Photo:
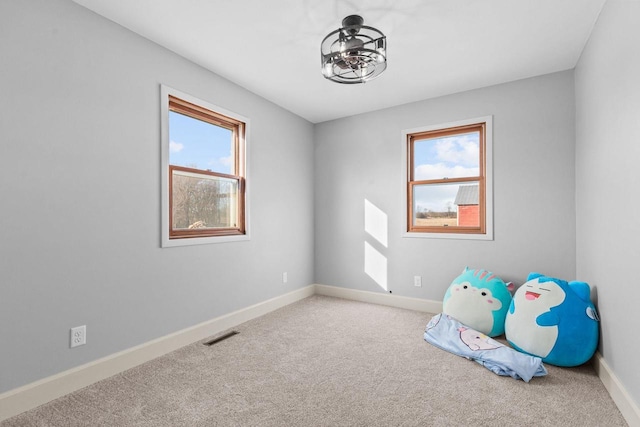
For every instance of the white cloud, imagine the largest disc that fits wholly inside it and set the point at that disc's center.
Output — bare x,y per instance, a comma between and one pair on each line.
438,198
175,147
459,149
221,164
440,170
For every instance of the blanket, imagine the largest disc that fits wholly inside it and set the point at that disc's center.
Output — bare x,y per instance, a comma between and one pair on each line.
446,333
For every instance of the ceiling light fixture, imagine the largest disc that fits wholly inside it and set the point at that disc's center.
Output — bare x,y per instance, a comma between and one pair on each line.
354,53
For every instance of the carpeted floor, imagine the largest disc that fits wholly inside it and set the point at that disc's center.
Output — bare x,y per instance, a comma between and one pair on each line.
328,362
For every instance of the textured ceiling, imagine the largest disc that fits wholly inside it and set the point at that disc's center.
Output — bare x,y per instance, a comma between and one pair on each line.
435,47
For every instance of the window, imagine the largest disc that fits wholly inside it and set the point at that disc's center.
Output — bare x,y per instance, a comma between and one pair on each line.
448,180
204,172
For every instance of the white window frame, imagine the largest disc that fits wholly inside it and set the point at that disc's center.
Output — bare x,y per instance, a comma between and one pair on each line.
165,92
488,235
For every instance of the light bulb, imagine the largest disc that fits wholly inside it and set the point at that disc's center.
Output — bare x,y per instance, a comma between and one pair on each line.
328,69
363,70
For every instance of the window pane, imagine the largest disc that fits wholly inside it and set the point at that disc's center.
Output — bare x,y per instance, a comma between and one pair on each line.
200,145
454,156
203,201
446,205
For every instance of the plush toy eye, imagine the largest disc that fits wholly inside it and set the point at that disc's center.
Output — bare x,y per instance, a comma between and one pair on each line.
465,287
484,294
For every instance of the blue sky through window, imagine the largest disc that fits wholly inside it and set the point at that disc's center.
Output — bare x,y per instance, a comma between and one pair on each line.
445,157
200,145
450,156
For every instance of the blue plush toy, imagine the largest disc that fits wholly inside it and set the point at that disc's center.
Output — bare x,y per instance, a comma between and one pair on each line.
478,299
554,320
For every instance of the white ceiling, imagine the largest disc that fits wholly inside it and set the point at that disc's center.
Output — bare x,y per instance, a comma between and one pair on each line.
435,47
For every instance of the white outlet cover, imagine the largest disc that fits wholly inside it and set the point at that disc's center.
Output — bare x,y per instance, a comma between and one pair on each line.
78,336
417,281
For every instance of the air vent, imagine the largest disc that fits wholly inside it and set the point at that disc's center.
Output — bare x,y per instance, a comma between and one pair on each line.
221,338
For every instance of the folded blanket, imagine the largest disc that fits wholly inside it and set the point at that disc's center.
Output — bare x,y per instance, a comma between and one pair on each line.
446,333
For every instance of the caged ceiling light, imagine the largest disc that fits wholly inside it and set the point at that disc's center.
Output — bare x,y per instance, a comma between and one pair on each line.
354,53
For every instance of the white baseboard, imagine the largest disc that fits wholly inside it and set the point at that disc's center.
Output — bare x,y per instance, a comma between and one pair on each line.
417,304
40,392
617,391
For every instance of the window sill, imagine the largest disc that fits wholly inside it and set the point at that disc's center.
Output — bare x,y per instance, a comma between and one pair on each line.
169,243
455,236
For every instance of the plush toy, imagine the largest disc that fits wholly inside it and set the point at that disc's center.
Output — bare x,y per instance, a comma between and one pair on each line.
478,299
554,320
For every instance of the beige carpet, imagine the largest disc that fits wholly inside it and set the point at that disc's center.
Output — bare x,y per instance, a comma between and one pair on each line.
328,362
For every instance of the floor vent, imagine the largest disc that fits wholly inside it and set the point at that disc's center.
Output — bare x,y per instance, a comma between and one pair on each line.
221,338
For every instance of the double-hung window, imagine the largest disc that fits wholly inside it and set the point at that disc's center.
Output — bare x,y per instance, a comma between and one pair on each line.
448,180
204,172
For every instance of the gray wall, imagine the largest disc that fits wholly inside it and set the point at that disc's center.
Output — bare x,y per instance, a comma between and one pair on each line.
80,194
360,158
608,206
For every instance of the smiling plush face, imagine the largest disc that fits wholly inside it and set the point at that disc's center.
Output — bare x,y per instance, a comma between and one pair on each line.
530,301
475,340
478,299
472,306
538,296
554,320
482,296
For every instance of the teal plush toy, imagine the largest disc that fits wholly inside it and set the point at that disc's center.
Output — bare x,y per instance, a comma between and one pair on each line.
554,320
478,299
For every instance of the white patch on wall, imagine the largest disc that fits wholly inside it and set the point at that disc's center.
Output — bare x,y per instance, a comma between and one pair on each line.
375,222
375,265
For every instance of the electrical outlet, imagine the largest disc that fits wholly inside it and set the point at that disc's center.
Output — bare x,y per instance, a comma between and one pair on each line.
284,277
78,336
417,281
